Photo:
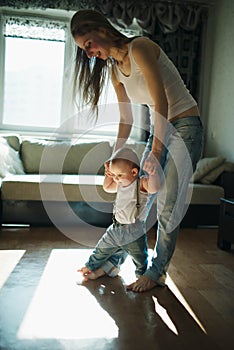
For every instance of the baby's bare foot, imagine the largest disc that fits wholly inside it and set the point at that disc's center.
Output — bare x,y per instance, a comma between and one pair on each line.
93,275
84,270
143,284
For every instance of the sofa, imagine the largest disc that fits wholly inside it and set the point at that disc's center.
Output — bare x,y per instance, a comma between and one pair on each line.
59,182
51,181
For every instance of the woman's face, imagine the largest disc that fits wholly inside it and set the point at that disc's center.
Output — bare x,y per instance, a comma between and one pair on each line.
94,43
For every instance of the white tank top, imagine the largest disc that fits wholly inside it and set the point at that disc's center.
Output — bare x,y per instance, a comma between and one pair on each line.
178,96
125,209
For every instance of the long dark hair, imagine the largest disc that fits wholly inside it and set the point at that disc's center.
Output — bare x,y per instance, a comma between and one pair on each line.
90,73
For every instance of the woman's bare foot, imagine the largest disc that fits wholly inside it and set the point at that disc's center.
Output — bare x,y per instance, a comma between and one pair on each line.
143,284
92,275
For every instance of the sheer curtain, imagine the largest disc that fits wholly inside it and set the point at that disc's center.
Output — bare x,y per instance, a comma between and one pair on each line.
34,28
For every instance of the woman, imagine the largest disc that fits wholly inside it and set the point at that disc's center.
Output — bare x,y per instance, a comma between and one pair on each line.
142,73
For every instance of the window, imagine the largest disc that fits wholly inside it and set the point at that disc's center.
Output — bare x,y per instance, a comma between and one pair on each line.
33,73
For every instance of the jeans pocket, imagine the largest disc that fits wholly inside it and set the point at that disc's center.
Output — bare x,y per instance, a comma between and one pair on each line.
190,132
194,144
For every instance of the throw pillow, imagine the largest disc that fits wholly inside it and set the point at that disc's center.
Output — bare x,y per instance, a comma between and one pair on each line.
13,140
214,174
205,165
10,162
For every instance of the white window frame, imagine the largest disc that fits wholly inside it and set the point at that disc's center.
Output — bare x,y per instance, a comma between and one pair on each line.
66,106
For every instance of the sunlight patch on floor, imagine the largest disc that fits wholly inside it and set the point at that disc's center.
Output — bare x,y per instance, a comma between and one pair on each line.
127,272
162,313
8,261
171,285
61,309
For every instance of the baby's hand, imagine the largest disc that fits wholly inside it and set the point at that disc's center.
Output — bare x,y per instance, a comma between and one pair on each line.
107,165
107,169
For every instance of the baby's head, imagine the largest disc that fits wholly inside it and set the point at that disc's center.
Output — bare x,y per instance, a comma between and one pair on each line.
124,165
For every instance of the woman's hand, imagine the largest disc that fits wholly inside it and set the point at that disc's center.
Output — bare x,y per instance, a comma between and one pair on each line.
151,164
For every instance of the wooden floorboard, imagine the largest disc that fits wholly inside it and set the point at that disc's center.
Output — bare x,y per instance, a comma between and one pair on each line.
43,307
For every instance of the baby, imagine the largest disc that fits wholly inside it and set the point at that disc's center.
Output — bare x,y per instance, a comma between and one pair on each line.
128,230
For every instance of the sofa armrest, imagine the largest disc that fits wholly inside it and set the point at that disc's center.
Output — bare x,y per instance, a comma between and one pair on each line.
226,180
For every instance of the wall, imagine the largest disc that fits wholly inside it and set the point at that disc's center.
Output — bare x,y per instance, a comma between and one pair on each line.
219,122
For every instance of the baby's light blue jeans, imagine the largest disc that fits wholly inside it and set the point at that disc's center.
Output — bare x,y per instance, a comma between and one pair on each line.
121,239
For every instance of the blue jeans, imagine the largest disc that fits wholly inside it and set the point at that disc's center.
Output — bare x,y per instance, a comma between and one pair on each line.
121,239
181,152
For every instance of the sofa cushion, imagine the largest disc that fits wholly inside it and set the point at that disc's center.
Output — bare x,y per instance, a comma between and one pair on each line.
59,157
206,194
86,188
50,187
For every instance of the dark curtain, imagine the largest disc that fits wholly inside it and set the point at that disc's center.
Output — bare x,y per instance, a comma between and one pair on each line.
176,26
167,13
184,49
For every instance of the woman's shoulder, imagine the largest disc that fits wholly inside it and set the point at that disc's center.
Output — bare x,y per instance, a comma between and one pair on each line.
144,45
143,41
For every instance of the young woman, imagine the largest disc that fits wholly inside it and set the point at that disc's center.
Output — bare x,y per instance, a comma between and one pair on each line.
142,73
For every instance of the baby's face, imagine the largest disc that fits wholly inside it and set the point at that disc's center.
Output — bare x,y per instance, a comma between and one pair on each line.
123,173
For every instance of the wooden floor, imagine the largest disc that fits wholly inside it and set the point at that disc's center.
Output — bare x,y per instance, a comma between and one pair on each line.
44,305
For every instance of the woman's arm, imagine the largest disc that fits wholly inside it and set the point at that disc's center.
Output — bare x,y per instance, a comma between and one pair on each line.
126,118
146,53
